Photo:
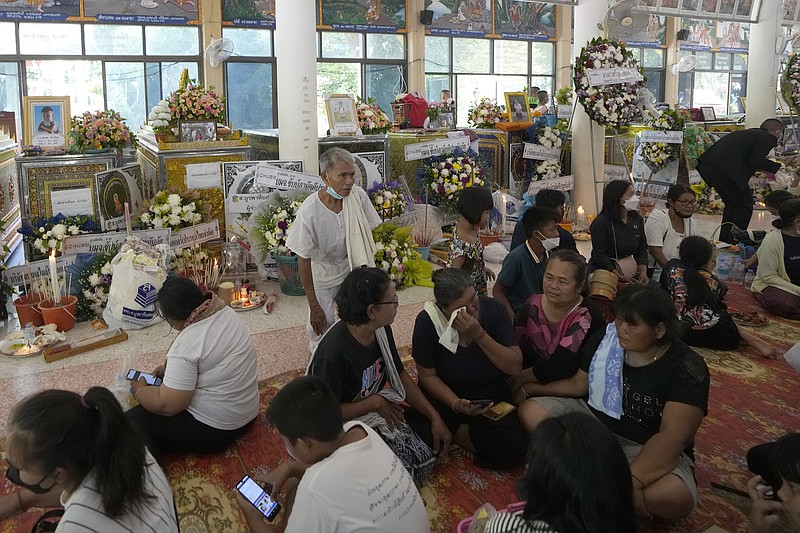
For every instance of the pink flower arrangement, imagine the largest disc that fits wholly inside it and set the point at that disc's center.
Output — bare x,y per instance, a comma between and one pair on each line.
101,129
197,103
371,118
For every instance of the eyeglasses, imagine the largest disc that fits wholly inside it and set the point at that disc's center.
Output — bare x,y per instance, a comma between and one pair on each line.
394,302
686,202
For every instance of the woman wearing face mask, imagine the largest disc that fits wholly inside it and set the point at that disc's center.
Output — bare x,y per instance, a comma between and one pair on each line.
777,280
524,266
619,243
466,250
665,230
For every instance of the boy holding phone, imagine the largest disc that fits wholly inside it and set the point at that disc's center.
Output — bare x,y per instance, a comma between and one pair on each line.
340,478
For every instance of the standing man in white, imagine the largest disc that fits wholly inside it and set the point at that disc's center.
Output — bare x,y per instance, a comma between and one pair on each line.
331,235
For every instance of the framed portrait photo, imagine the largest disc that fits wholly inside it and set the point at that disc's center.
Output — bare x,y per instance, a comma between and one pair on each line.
342,118
517,107
708,113
197,130
46,121
115,188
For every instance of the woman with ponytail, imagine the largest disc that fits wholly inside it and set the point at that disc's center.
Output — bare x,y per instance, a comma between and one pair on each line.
82,452
699,300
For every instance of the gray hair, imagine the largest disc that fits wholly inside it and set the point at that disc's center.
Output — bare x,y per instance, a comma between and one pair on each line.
331,156
449,285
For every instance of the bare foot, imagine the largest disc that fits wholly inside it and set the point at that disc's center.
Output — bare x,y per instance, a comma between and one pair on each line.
762,347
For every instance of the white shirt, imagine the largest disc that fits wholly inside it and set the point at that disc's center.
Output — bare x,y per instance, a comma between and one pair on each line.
659,232
83,509
217,360
360,488
318,234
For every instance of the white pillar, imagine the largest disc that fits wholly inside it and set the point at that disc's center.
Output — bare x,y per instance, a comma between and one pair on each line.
564,55
587,15
416,50
672,53
762,69
295,49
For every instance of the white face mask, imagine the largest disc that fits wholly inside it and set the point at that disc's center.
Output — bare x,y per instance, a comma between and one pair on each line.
632,203
550,244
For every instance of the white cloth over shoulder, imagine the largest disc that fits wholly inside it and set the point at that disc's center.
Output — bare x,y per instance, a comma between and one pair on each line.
360,244
448,335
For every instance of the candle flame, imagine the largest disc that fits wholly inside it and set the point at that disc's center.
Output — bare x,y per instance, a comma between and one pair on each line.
580,209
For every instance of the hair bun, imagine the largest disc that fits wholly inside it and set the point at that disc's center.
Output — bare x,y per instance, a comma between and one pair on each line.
779,223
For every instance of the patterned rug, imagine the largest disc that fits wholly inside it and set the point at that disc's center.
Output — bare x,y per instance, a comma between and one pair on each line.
752,400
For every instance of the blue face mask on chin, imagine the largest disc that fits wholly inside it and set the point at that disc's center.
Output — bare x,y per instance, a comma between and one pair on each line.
334,194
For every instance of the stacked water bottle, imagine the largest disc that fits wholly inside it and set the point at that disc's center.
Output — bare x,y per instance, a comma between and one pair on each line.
731,268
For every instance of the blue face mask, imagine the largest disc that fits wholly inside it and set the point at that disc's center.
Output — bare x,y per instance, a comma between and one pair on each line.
334,194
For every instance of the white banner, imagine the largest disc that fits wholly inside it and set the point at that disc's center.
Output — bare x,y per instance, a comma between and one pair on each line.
417,151
102,242
279,178
615,172
203,176
669,137
612,76
245,203
195,235
16,276
537,151
564,111
564,183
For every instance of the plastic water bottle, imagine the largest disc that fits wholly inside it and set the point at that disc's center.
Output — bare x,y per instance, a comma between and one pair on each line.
723,267
738,273
29,334
749,276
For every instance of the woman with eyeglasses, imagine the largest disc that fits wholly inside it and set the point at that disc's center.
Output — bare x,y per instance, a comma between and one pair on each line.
209,396
666,229
82,453
357,358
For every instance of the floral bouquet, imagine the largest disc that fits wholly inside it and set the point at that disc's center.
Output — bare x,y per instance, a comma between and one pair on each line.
708,201
696,140
195,102
160,117
182,260
790,82
389,199
371,119
101,129
443,176
565,95
549,137
174,209
545,170
669,120
396,254
615,105
271,221
657,155
47,234
484,114
93,283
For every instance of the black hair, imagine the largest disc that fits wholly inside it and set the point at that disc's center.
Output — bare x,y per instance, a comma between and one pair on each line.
361,288
677,190
306,407
47,108
611,197
638,303
788,213
772,125
776,198
696,252
787,457
550,198
178,297
578,479
53,428
535,218
472,202
577,261
449,285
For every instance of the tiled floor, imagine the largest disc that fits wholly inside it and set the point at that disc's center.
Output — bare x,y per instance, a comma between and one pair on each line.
279,338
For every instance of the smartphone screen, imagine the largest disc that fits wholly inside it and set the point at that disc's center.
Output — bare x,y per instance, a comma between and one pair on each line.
253,493
134,375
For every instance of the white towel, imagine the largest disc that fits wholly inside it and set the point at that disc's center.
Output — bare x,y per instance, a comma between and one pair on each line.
358,235
448,335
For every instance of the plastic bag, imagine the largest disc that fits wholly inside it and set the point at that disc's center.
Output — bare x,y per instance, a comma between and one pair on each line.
495,253
479,518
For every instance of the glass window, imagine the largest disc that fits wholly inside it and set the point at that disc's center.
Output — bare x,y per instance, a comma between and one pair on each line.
9,91
8,46
437,54
722,61
652,58
172,41
434,84
342,45
50,39
250,95
385,46
163,78
542,58
510,57
685,86
115,40
125,92
335,78
383,82
711,89
738,91
250,42
739,61
655,82
471,55
703,60
82,80
544,83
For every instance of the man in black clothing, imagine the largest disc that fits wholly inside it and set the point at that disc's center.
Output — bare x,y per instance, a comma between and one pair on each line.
729,164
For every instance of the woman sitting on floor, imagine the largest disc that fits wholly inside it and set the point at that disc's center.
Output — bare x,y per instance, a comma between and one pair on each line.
577,480
783,464
83,453
209,396
553,327
465,349
777,280
357,357
654,407
699,298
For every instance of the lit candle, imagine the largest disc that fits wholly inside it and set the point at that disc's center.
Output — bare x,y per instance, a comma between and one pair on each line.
505,208
54,279
128,226
215,273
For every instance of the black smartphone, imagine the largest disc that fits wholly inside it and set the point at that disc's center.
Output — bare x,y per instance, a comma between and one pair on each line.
486,401
262,501
134,375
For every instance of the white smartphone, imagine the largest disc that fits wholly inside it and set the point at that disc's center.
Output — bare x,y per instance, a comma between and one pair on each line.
257,496
134,375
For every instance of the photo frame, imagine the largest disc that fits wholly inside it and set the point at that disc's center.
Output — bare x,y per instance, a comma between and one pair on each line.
46,121
197,130
708,113
446,120
115,187
517,107
342,117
